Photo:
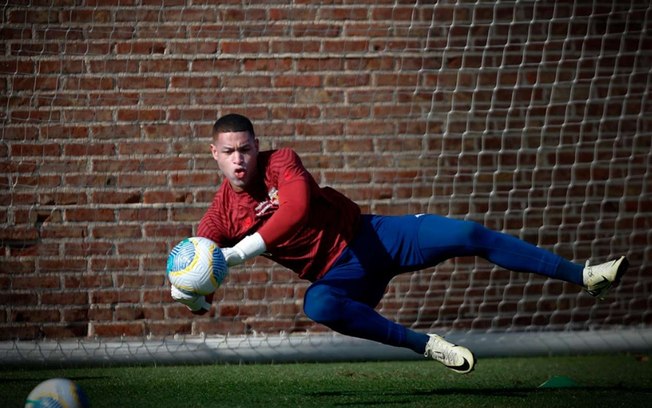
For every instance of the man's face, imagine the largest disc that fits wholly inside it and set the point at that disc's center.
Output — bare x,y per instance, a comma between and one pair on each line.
236,153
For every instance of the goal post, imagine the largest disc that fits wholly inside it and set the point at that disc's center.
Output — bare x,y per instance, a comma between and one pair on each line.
305,348
530,117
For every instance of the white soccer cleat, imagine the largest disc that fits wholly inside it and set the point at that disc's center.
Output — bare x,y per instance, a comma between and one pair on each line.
457,358
598,279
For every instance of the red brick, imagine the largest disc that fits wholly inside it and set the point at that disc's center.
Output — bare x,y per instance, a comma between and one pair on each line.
167,197
126,197
111,264
19,133
28,83
61,265
85,149
215,65
192,82
219,326
87,281
194,179
117,231
143,214
140,281
20,331
296,46
296,113
16,266
64,298
34,315
35,282
135,82
348,46
343,14
198,15
142,247
155,132
171,328
158,231
187,214
62,198
35,149
90,215
86,249
18,298
298,81
140,47
112,165
19,234
243,47
60,67
114,296
129,313
75,314
115,131
87,115
189,114
133,329
147,115
159,295
89,84
267,64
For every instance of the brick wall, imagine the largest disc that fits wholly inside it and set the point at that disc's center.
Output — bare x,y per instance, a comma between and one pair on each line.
533,119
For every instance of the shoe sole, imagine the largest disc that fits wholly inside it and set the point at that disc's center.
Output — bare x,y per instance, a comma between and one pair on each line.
472,364
624,265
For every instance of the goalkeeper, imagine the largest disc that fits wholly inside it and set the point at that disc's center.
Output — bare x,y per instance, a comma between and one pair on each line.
270,205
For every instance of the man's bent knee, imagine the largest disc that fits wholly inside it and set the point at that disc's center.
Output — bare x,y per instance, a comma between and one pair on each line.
323,305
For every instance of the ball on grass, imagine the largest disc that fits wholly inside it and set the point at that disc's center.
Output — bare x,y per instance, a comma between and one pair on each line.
57,393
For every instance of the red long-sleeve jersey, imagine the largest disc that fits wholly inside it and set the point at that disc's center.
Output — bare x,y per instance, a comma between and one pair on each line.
305,227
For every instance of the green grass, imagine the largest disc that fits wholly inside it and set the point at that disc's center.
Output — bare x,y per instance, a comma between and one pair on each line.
602,381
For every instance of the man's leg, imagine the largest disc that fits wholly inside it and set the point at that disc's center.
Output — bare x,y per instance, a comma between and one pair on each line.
331,306
345,298
419,241
440,238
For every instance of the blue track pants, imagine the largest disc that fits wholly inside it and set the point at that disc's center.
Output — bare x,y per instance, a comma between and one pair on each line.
385,246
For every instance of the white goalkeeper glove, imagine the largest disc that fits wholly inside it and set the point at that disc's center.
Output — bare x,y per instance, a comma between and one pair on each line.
194,302
250,246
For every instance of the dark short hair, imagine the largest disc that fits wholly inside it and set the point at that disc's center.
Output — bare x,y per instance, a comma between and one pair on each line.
233,122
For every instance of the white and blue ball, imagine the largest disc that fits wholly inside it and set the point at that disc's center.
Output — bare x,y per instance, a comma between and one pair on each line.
57,393
196,266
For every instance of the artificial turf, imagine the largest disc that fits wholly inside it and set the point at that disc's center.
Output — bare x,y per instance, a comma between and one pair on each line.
595,381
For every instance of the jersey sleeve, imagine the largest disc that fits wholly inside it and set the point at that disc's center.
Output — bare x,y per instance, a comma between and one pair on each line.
207,229
294,185
212,226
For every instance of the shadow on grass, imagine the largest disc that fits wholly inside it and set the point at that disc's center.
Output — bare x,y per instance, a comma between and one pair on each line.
507,392
364,398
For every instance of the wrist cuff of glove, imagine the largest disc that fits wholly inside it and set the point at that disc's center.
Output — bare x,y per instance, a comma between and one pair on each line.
197,303
251,246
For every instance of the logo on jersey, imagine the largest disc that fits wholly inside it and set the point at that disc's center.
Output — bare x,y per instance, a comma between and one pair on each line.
268,206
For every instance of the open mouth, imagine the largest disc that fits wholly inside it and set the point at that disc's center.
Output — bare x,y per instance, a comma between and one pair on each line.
239,173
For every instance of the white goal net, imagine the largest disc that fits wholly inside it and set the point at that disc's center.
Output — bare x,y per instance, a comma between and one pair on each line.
530,117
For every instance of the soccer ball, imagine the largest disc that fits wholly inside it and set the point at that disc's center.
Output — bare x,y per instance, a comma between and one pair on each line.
57,393
196,266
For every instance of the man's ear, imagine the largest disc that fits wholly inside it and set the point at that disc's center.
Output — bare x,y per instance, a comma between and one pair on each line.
214,151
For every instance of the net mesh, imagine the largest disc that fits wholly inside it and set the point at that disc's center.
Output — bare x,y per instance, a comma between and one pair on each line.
532,118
